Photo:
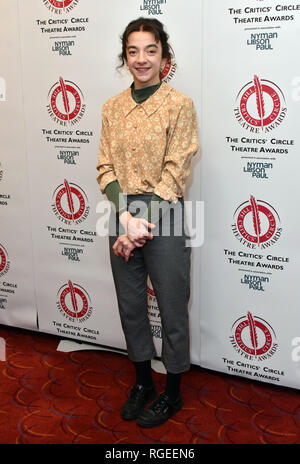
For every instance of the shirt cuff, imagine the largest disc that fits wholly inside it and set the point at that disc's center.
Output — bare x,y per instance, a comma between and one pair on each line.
115,195
105,179
166,193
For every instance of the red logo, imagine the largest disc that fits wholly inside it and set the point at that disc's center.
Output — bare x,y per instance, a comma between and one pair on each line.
150,292
66,105
256,224
74,302
153,313
169,70
70,203
260,106
253,337
4,262
60,6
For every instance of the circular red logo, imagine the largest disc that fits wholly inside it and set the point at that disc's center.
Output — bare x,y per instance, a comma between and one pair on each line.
2,259
242,336
71,109
246,107
62,203
65,102
254,336
169,70
256,235
260,105
256,222
70,203
4,262
74,302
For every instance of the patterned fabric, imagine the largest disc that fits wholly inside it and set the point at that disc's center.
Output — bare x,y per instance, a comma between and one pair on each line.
148,147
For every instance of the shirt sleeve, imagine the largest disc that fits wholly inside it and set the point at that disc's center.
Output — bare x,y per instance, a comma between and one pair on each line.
182,145
115,195
105,165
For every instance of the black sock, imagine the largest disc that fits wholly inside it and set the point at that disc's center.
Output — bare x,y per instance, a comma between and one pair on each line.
173,386
143,373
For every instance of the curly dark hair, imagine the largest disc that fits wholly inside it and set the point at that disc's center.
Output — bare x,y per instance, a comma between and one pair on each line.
147,25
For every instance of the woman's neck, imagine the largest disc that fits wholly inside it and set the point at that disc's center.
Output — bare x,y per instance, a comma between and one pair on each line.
141,95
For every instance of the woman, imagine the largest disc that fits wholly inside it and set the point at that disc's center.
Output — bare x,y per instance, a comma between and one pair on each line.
149,134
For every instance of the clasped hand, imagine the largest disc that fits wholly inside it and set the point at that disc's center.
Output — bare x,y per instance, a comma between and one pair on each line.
136,235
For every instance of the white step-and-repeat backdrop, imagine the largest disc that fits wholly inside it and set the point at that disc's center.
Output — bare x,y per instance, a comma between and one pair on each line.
238,61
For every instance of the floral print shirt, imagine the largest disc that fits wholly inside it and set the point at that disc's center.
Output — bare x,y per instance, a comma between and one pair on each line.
148,147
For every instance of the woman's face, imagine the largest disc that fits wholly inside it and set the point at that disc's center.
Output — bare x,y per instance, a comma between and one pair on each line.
144,58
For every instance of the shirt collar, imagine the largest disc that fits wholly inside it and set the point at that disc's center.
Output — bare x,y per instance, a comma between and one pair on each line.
150,105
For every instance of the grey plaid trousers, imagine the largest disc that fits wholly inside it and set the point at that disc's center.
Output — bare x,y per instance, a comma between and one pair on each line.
166,259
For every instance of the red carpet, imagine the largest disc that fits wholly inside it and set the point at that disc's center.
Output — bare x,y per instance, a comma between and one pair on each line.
50,397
